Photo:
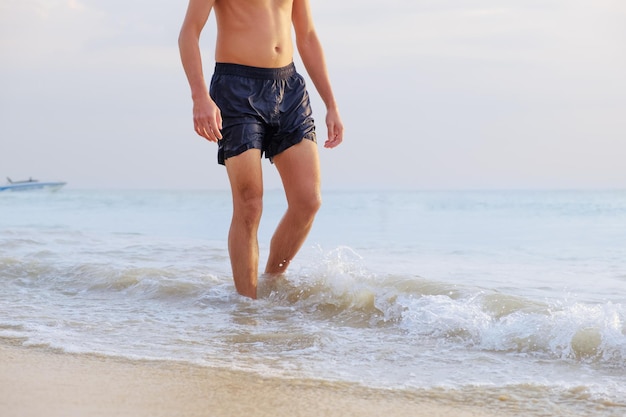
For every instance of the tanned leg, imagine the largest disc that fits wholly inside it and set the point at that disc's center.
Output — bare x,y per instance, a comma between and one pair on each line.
299,170
246,182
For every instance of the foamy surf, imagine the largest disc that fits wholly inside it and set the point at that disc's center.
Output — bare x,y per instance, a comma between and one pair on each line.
340,291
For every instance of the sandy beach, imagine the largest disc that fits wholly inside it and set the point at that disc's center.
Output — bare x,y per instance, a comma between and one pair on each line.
37,382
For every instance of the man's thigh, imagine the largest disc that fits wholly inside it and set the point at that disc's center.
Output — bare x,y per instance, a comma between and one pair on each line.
299,168
245,174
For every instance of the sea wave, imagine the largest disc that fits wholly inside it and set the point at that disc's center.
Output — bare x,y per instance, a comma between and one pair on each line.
340,289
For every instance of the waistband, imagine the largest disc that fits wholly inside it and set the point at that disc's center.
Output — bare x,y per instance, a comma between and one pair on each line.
255,72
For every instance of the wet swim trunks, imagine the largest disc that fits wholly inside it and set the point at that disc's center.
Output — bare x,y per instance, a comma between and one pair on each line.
262,108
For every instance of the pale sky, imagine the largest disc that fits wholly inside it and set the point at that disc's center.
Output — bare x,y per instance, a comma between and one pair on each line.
435,94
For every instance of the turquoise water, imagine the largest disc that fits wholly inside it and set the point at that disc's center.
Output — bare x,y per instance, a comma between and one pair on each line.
467,293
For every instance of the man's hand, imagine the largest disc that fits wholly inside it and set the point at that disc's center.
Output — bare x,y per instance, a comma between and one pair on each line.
334,127
207,119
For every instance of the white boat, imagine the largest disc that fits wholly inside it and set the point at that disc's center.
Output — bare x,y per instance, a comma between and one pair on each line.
31,185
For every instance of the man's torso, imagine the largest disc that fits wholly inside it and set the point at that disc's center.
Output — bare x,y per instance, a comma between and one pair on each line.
254,32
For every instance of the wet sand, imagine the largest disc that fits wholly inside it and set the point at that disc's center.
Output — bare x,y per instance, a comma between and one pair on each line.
39,382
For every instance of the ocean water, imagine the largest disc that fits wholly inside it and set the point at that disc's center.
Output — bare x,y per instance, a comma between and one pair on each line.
512,300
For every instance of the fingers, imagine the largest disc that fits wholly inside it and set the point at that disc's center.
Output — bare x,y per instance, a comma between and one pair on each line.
207,119
334,126
332,143
335,136
209,127
208,132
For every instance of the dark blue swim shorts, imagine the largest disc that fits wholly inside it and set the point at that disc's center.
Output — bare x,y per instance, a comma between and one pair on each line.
262,108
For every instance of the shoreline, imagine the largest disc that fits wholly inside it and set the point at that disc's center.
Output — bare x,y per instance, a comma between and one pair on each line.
37,381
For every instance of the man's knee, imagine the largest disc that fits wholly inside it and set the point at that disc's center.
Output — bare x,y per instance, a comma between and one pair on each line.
308,204
248,206
315,203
